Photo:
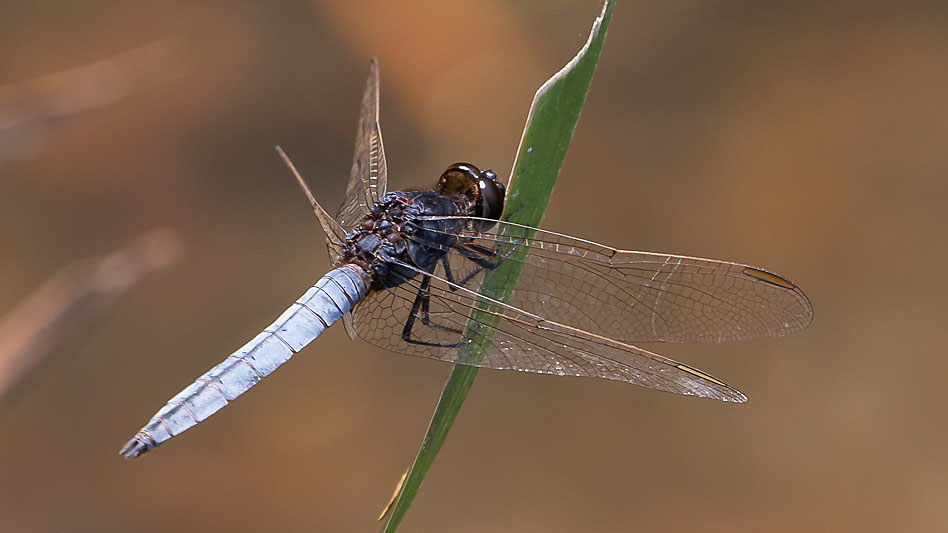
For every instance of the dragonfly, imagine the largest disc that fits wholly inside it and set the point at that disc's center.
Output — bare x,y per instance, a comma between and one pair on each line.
408,273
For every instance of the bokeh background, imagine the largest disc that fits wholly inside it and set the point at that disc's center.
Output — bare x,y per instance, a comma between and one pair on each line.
807,137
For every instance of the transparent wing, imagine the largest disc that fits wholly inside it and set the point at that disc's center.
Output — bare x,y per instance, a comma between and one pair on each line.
335,235
632,296
369,174
521,340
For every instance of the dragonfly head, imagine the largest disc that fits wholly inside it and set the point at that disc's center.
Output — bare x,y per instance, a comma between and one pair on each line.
481,188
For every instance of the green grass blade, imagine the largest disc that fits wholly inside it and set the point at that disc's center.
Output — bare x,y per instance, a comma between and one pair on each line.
546,137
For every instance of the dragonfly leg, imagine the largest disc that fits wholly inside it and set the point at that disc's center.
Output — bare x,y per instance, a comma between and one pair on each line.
506,218
475,253
426,311
422,302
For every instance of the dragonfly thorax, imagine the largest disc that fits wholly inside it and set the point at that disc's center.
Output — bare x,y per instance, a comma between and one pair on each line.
387,236
397,231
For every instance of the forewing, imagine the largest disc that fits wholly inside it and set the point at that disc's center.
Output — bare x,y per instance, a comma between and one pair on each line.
521,340
634,296
369,174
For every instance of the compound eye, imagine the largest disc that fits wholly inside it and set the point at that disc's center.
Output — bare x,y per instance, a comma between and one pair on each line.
459,178
492,195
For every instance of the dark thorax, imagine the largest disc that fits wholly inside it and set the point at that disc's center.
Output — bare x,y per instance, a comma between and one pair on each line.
395,232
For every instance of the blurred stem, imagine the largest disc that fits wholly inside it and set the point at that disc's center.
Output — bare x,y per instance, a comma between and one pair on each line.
73,297
546,137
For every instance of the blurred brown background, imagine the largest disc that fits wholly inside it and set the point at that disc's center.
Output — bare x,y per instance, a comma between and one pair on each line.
809,137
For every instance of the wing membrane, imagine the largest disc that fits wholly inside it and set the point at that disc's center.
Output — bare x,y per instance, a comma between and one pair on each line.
369,174
521,340
634,296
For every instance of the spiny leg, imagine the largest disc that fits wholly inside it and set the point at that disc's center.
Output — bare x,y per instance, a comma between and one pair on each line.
423,301
426,311
475,253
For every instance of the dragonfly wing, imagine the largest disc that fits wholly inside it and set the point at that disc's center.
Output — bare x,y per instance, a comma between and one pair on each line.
369,174
521,340
335,235
634,296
